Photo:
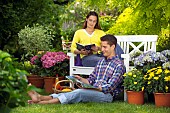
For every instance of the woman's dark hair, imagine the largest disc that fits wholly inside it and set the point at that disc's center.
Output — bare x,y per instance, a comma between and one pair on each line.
111,39
92,13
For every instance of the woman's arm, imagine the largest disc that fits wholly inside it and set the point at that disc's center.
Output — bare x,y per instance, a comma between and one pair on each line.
83,52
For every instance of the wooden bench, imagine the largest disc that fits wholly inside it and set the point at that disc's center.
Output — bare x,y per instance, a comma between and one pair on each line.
129,44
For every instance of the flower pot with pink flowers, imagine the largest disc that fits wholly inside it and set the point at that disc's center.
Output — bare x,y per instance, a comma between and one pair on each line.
49,64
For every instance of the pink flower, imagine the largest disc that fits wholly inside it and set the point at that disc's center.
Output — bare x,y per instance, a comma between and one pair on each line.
33,59
50,59
51,63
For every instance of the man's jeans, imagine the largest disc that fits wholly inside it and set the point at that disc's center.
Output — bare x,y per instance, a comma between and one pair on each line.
83,95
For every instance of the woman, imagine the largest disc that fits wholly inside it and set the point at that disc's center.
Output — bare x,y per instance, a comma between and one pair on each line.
90,34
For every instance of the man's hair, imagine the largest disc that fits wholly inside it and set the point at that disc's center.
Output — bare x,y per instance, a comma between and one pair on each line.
111,39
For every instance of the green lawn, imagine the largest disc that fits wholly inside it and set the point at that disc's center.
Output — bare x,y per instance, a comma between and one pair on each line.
114,107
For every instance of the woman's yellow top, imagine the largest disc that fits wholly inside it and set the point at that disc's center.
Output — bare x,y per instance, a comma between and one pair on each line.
82,37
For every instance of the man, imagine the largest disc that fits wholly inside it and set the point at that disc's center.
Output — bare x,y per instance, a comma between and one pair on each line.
107,77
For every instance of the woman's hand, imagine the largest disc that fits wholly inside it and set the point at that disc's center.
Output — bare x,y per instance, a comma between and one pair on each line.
95,48
82,51
85,52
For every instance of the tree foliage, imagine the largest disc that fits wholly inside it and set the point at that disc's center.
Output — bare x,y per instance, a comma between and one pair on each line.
18,14
142,17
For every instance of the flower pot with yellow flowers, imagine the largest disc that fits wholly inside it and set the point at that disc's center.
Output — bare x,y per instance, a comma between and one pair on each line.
134,86
158,82
149,60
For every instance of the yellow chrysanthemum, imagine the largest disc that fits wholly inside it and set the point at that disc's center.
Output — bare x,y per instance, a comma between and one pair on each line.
150,77
156,78
167,78
166,88
151,70
130,73
151,74
124,75
135,82
167,71
159,71
142,88
134,75
149,82
159,67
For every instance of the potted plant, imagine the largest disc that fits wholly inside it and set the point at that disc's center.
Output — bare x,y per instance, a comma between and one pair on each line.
148,60
51,64
31,40
158,82
155,67
134,85
35,77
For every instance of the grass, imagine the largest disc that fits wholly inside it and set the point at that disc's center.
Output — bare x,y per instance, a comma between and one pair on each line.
115,107
118,106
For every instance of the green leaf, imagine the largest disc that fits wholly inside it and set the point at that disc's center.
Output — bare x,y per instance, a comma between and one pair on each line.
33,88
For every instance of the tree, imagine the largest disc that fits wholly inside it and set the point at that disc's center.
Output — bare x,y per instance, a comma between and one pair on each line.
18,14
149,15
142,17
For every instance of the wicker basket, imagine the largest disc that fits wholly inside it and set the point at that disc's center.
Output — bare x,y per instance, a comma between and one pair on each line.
59,82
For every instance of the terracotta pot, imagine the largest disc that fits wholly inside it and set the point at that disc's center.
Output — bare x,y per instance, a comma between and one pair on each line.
49,84
61,77
36,80
135,97
162,99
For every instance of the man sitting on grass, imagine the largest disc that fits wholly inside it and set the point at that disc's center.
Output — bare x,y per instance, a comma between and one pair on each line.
107,77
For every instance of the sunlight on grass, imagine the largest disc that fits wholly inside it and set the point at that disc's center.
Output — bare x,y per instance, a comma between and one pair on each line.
115,107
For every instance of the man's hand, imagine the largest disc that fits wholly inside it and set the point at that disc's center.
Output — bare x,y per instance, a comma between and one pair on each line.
81,79
78,77
100,88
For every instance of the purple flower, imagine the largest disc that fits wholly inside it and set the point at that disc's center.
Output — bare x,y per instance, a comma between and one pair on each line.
150,57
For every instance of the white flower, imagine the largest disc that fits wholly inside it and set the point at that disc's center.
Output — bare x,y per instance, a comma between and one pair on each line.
166,65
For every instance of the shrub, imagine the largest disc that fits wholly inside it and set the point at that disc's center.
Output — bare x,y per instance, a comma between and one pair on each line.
12,83
36,38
